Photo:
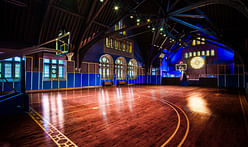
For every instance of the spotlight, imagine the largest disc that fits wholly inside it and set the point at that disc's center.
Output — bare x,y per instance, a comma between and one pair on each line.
164,35
131,16
149,27
153,29
138,23
161,29
101,1
138,20
148,20
116,8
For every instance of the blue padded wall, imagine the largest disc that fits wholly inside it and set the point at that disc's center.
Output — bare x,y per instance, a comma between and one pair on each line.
78,78
28,80
47,85
92,79
55,84
70,80
85,80
35,79
62,84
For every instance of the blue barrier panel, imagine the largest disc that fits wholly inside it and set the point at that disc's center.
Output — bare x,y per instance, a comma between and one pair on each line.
40,74
46,84
35,80
70,80
78,79
28,81
85,80
232,81
241,81
92,78
221,80
62,84
98,80
158,79
55,84
153,79
114,79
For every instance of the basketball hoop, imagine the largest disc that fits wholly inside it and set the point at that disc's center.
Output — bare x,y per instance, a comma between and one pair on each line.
69,56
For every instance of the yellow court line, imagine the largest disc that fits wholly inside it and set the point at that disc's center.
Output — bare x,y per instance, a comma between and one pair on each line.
187,119
52,131
178,124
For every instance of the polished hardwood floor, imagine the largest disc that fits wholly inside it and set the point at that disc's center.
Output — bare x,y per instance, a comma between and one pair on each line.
130,116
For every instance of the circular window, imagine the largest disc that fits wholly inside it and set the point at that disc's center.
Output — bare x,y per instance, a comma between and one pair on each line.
197,62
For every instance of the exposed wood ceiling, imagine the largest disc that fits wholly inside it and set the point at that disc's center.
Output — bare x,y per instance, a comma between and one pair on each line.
27,23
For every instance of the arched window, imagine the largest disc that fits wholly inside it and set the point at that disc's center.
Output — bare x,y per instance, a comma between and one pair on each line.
120,68
105,67
132,69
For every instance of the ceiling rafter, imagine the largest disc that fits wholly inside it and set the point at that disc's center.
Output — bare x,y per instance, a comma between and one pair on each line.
232,3
81,51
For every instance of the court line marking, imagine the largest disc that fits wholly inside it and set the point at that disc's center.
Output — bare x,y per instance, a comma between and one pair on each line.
243,102
179,120
187,119
178,124
59,138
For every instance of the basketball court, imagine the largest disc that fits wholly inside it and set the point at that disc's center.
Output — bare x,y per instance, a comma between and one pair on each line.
133,116
103,73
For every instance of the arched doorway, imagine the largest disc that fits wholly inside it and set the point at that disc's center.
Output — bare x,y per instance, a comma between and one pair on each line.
120,68
132,69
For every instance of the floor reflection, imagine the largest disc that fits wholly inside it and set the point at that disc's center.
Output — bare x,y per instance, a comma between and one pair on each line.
53,110
197,103
130,98
103,102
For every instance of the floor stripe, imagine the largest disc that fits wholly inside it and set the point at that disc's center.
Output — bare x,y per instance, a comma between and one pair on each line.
178,124
187,119
59,138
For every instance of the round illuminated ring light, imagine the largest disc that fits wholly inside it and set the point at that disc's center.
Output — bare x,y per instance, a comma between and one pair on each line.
197,62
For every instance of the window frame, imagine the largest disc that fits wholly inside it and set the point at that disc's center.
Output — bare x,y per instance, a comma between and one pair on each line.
13,72
50,66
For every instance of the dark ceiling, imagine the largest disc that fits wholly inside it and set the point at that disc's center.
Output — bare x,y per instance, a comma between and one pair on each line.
26,23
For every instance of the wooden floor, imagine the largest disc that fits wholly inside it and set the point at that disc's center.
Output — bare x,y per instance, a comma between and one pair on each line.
130,116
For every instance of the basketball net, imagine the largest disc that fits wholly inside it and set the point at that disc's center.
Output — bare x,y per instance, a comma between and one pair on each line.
69,56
